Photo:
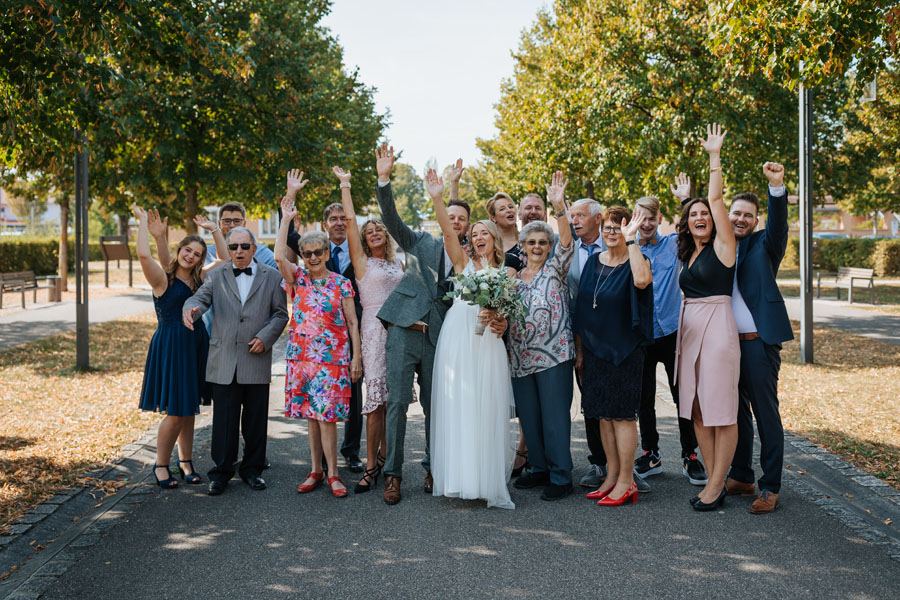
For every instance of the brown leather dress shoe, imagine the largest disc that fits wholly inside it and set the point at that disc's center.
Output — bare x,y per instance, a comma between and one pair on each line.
765,503
391,489
733,487
429,482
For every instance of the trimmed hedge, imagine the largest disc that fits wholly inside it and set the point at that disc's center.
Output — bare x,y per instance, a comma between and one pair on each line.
828,255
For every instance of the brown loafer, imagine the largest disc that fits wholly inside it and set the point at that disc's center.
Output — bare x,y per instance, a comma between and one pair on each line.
391,489
733,487
765,503
429,482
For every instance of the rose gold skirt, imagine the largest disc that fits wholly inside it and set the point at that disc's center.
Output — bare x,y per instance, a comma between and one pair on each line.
708,360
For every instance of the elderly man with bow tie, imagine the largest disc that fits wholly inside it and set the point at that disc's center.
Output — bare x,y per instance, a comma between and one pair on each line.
250,313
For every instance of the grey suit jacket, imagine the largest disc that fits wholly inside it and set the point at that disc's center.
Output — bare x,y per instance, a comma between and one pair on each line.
419,295
263,315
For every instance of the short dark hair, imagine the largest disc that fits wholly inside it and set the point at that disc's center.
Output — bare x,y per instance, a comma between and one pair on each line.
747,197
538,196
463,203
232,207
333,207
616,214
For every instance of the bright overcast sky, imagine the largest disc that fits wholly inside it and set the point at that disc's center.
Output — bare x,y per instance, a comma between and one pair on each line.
437,67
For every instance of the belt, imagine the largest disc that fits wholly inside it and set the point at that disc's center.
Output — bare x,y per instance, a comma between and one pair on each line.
415,326
746,337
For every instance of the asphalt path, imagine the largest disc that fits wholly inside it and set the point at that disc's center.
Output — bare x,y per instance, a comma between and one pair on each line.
842,315
279,544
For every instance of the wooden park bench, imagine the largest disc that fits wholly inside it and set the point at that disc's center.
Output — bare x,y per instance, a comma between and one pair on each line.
845,278
21,281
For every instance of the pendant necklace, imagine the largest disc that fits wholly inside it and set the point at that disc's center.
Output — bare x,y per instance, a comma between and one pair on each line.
597,289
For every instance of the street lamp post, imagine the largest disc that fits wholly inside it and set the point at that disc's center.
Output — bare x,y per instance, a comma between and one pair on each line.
806,226
82,341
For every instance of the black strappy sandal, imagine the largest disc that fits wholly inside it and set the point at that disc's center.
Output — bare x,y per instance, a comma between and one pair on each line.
193,478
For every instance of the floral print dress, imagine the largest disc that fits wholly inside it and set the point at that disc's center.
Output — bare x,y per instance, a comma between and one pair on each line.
317,385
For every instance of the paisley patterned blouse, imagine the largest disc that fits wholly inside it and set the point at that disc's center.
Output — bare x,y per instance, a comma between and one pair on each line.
547,339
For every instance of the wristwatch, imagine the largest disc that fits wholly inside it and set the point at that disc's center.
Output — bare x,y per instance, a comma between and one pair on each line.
629,242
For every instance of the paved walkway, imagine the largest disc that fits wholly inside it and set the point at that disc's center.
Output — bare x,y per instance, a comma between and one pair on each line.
50,319
841,315
828,539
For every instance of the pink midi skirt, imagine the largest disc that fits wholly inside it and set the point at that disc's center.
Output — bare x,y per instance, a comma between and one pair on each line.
708,360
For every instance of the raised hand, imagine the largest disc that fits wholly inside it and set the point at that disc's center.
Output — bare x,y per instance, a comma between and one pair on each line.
204,223
384,162
343,175
288,209
682,187
715,136
456,171
295,182
774,172
158,227
139,213
434,184
556,191
630,228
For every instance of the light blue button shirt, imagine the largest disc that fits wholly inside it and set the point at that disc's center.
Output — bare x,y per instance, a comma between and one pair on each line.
666,293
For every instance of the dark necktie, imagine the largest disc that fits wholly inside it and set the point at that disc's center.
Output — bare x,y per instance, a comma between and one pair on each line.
247,271
336,258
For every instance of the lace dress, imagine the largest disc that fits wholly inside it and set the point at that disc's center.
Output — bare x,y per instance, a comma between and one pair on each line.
376,285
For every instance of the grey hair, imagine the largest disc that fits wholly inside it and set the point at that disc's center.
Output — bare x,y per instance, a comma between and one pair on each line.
536,226
241,230
595,206
313,238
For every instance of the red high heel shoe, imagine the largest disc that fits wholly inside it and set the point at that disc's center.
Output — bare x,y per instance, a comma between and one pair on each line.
630,494
597,494
317,479
342,493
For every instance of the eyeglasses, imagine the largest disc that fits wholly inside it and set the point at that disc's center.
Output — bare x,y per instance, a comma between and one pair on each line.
234,247
233,222
309,253
537,243
611,230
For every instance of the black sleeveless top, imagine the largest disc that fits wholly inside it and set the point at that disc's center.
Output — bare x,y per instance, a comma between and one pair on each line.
707,276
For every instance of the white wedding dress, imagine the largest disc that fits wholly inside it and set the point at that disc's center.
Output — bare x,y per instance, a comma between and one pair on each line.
472,411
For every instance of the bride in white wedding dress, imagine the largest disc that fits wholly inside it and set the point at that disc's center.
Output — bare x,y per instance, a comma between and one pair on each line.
472,407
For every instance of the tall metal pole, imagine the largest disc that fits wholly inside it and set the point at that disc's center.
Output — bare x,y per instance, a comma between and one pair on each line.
806,226
82,340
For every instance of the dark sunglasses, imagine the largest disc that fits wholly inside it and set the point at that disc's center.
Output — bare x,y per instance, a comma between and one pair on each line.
234,247
309,253
537,243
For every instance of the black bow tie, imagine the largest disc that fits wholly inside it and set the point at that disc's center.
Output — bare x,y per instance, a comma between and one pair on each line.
247,271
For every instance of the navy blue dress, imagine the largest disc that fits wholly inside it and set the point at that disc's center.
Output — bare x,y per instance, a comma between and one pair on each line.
175,371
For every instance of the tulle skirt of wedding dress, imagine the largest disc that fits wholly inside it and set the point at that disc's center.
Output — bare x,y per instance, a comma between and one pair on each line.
472,412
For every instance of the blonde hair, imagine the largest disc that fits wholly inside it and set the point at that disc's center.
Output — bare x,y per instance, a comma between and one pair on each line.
489,206
390,246
498,241
648,203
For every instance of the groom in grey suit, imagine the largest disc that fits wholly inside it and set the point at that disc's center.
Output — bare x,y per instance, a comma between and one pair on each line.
250,314
413,315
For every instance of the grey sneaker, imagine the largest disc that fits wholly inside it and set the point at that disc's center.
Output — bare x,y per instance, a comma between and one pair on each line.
595,476
642,485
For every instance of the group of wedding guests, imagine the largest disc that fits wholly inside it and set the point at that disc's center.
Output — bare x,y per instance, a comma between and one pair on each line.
607,298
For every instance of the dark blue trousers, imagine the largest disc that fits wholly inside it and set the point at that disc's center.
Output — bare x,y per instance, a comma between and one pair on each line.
758,388
543,402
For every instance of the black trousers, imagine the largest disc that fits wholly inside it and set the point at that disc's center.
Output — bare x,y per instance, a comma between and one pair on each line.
758,388
353,425
239,408
662,350
592,433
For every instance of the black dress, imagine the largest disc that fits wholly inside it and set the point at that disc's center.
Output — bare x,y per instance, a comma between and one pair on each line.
614,320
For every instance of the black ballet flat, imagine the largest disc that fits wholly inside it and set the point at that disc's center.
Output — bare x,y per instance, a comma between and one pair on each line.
701,506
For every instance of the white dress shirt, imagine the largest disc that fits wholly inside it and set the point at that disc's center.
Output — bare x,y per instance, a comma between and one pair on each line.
244,281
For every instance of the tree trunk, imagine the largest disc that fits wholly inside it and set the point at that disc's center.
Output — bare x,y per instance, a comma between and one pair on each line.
589,189
192,208
123,224
64,242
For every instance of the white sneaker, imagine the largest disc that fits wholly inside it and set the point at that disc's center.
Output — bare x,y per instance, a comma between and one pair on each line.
595,476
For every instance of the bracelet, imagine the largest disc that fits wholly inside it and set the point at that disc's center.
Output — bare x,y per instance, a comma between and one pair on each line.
629,242
215,230
714,169
559,214
345,184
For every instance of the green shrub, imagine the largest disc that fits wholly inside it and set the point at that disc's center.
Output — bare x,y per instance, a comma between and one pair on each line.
852,252
29,254
886,258
792,254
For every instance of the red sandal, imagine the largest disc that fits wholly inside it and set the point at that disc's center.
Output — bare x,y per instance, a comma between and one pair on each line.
317,479
337,493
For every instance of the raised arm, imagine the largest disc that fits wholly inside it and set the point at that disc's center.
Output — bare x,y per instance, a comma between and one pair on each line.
777,221
159,230
354,240
435,187
724,243
681,189
640,266
153,272
222,255
295,183
455,175
384,163
286,267
556,196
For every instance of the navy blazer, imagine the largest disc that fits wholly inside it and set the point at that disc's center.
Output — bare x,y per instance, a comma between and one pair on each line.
759,255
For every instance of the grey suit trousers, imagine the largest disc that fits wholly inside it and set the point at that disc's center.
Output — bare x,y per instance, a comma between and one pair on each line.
409,352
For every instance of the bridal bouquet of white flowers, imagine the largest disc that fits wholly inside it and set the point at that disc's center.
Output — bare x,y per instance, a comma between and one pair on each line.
490,288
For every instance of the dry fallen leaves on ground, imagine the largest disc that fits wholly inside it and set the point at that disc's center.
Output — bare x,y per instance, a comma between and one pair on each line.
848,401
59,423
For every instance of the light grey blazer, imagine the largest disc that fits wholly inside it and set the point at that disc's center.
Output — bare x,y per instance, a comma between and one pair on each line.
263,315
